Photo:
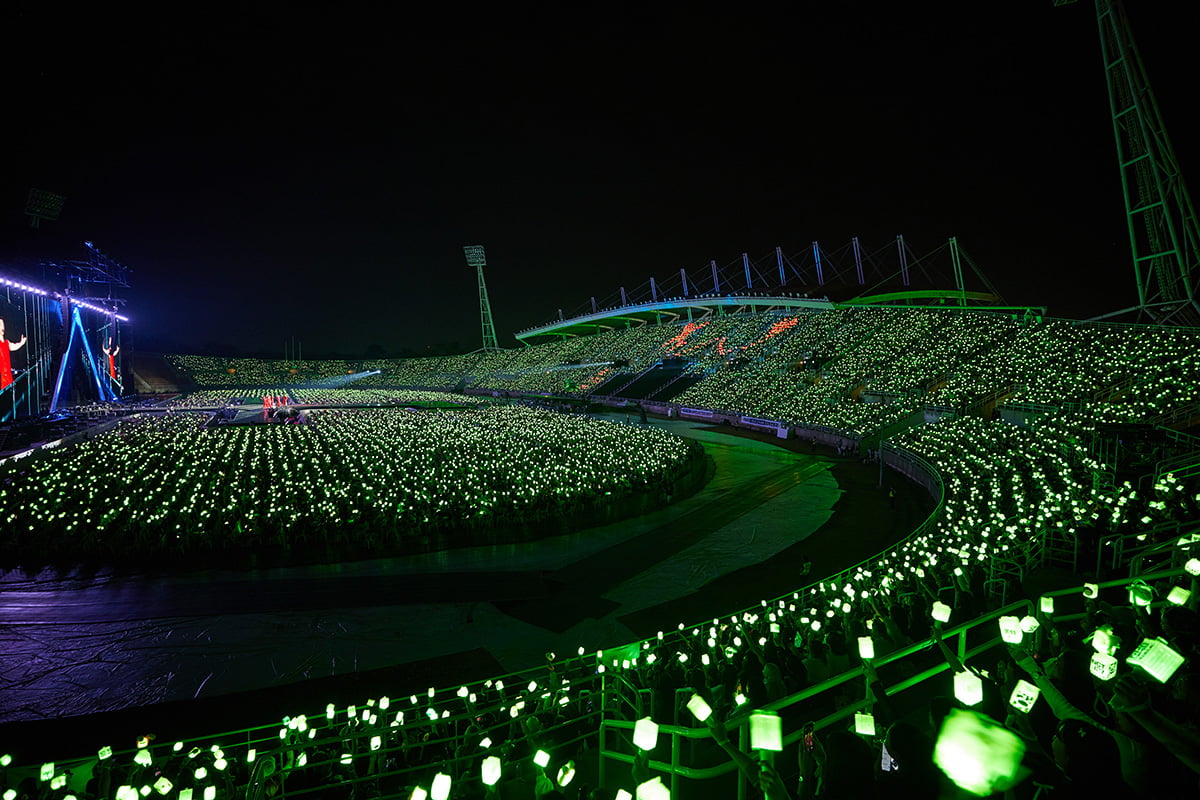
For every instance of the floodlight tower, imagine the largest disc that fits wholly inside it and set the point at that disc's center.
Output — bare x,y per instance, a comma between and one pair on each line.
42,205
475,258
1163,232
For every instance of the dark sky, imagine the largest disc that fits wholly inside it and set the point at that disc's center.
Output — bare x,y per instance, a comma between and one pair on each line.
271,171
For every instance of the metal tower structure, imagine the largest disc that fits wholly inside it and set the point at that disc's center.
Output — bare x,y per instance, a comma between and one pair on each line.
476,258
1163,232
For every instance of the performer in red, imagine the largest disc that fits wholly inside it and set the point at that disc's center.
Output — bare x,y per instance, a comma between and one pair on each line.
6,349
111,352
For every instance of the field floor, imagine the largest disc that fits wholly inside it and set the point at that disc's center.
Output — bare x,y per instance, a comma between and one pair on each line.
126,651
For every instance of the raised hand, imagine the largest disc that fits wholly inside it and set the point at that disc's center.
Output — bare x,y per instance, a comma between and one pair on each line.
1129,694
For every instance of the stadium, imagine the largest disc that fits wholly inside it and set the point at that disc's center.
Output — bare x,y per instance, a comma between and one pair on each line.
826,521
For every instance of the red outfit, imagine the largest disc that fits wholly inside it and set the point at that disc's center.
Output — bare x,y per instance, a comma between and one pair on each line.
112,366
5,364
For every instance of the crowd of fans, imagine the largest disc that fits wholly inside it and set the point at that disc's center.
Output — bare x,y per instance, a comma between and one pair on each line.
1105,725
1070,704
218,398
353,481
810,368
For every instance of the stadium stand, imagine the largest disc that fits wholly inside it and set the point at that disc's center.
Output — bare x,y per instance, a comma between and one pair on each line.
1046,443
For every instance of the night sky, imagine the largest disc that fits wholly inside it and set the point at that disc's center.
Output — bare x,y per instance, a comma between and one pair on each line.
270,171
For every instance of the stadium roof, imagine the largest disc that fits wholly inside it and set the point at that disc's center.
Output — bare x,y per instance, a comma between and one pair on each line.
673,309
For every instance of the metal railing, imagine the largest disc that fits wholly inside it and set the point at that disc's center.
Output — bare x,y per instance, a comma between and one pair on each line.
676,770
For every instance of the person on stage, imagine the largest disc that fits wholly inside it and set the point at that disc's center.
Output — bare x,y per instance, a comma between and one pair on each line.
111,352
6,350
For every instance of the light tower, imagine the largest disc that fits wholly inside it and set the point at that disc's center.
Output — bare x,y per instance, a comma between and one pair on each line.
1163,232
40,205
476,258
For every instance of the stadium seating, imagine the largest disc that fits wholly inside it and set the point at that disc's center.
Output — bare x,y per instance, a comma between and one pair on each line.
1007,487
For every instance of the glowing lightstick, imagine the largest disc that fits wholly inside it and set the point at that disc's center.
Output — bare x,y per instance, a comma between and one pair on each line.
1140,593
1157,658
490,771
968,688
440,790
1010,630
1179,596
700,709
645,733
1023,696
978,755
766,731
653,790
1103,666
866,647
